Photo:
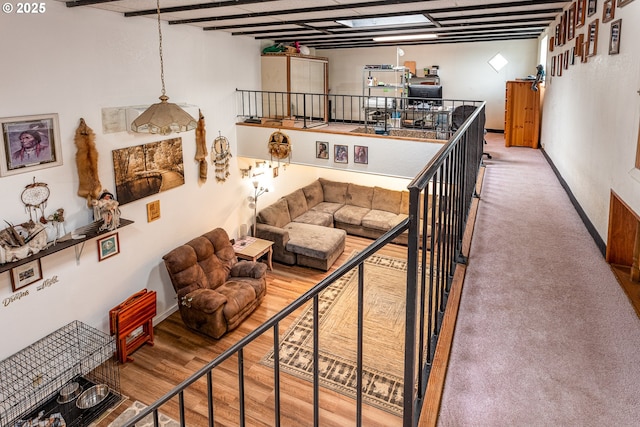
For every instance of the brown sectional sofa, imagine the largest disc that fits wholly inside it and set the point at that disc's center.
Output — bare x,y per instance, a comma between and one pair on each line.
308,226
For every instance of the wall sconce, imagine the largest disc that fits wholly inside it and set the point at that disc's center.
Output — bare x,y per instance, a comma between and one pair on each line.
253,201
245,172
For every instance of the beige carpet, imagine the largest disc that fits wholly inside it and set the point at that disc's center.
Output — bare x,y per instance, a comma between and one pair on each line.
134,409
545,335
383,348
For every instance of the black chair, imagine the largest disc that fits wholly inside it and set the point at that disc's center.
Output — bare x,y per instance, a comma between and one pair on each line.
458,117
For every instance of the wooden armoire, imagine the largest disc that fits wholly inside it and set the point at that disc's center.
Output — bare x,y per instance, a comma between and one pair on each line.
522,115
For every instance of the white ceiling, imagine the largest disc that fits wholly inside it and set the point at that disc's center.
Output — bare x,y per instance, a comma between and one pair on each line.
312,22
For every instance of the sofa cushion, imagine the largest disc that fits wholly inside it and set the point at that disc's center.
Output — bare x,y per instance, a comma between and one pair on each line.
334,192
327,207
313,193
276,214
387,200
297,203
359,195
316,217
382,220
349,214
313,240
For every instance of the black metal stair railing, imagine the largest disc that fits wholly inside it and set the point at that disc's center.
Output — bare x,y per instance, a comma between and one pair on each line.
440,200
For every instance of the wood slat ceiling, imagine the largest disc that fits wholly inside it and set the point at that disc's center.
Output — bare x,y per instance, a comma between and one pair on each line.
313,22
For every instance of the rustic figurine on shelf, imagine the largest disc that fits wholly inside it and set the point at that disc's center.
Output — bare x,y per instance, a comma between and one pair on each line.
106,208
19,242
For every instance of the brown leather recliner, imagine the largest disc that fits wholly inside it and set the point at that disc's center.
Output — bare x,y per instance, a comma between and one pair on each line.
216,292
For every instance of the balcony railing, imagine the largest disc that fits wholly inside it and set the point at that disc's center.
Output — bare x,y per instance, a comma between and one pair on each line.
381,114
442,193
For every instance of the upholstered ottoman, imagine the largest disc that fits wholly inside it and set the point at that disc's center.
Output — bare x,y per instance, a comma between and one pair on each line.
315,246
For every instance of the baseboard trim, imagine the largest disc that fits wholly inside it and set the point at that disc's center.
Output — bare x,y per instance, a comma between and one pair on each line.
602,246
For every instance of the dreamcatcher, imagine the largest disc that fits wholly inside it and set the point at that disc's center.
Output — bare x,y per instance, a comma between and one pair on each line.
35,196
220,155
279,146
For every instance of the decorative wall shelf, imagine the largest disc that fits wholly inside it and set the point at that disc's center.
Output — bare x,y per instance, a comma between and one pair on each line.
88,231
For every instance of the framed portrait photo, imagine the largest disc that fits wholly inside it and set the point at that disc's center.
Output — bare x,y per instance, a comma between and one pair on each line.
29,143
614,38
26,274
108,246
340,154
360,154
322,150
623,2
592,6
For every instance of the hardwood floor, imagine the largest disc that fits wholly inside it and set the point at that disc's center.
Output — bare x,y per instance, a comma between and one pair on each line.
179,352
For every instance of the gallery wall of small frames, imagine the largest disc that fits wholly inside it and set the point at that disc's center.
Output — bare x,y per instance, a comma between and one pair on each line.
341,152
576,35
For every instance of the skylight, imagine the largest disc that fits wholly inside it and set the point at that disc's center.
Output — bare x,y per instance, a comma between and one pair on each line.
390,21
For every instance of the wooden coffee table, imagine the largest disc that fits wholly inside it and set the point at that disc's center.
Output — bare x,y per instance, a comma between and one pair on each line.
252,248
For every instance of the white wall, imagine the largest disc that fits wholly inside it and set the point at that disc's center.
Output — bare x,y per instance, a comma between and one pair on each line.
590,119
464,69
387,156
74,62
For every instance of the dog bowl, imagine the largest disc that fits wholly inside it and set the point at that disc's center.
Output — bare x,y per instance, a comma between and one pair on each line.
69,392
92,396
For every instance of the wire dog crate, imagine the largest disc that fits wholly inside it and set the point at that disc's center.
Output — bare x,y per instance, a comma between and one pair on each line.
31,380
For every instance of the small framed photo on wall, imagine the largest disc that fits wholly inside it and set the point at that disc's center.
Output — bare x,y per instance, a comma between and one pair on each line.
361,154
153,210
581,10
614,39
608,10
108,246
623,2
592,6
322,150
340,154
26,274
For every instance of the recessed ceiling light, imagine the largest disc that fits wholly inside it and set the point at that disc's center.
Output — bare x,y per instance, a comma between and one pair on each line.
385,21
405,37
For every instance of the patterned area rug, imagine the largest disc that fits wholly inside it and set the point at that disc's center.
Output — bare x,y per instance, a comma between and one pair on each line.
383,348
407,133
134,409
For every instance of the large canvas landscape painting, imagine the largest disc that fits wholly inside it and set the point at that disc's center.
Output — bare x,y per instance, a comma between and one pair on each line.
144,170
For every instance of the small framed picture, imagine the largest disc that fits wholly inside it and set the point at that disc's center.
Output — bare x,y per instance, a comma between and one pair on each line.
614,39
153,210
340,154
592,6
26,274
592,38
108,246
579,45
552,43
553,65
608,10
29,143
361,154
581,7
623,2
322,150
560,64
571,23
